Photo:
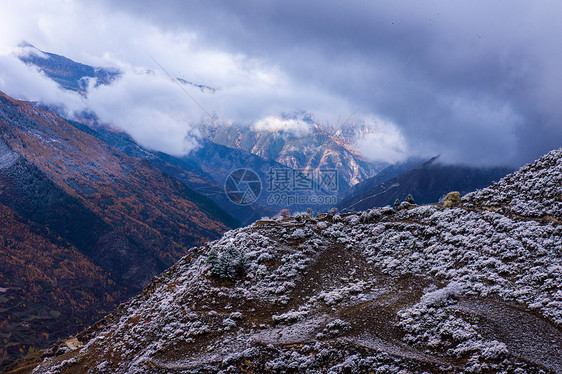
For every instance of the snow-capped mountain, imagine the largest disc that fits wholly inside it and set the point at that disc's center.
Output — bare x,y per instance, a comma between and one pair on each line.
310,152
470,285
69,74
313,150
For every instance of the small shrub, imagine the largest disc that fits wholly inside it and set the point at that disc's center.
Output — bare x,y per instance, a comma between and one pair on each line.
452,199
284,213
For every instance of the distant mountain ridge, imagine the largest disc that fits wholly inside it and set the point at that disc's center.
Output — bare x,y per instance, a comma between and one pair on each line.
427,183
318,149
67,73
194,170
384,175
205,170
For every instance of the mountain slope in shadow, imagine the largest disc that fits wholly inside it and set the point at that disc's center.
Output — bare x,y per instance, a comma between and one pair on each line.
428,183
108,211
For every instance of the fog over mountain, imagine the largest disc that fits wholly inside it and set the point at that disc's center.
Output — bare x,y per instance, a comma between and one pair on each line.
473,81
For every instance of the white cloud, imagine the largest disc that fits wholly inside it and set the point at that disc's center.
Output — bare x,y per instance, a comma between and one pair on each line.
278,123
287,58
384,142
27,83
149,108
144,101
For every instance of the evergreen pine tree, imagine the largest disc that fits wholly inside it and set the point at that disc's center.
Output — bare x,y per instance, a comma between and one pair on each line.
410,199
225,268
229,264
396,204
212,257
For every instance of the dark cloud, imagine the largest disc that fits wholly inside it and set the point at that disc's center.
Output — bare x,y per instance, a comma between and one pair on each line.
482,85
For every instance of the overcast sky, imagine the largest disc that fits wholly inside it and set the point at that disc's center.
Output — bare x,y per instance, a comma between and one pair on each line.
479,82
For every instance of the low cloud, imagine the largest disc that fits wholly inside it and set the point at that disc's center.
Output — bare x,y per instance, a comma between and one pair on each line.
278,123
481,86
383,142
28,83
149,108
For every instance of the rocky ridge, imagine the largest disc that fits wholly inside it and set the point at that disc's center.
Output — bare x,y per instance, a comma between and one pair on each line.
472,288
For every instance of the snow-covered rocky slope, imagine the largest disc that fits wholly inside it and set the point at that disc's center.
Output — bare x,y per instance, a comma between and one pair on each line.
476,287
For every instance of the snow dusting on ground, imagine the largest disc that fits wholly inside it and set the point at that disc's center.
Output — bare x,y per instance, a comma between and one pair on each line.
474,288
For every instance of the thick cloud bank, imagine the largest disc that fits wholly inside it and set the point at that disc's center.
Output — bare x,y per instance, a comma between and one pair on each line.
481,84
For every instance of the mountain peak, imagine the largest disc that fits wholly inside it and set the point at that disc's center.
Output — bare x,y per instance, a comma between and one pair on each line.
69,74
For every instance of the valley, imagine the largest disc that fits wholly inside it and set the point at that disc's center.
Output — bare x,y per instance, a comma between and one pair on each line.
282,189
